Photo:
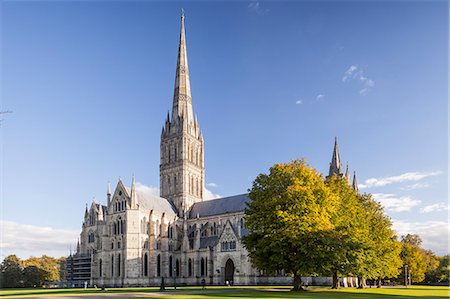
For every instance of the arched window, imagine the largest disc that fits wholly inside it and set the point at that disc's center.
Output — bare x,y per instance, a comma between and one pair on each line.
175,180
100,273
170,266
202,267
190,267
112,265
177,268
175,153
145,264
206,266
118,265
158,265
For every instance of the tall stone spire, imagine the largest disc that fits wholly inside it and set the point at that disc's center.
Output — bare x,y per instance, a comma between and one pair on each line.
182,171
355,184
335,165
182,99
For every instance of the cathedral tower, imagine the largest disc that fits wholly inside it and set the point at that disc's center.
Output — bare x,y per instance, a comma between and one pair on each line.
182,169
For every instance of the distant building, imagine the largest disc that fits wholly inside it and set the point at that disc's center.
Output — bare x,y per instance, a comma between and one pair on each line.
137,238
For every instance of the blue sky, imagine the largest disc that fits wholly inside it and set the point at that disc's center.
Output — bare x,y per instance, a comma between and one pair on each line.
90,83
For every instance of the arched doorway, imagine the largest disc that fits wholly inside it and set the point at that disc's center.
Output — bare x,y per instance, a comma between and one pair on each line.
229,271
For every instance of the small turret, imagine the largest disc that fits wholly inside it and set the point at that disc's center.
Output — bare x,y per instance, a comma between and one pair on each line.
86,212
108,194
100,212
133,194
355,184
347,174
78,246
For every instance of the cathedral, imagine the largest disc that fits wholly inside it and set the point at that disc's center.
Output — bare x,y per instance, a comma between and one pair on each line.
137,239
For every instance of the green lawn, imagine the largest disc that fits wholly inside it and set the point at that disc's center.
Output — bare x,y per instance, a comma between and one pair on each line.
237,292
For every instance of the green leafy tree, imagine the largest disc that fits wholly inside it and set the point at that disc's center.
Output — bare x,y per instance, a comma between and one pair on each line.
349,245
412,256
50,265
385,250
11,272
441,274
33,276
289,218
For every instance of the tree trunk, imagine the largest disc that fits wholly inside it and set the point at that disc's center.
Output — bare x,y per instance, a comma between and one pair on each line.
297,283
335,280
379,282
360,282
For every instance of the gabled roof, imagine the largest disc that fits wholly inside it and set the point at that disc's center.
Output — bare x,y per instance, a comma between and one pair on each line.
208,241
148,201
225,205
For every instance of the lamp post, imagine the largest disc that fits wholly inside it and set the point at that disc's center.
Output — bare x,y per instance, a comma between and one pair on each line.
406,275
175,278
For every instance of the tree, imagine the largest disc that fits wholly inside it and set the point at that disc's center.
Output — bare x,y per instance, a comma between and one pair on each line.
289,218
11,272
441,273
413,256
348,245
383,244
33,276
50,265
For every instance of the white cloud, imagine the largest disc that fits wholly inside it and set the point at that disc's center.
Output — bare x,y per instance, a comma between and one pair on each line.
405,177
299,102
211,185
256,7
208,195
435,234
435,207
320,97
416,186
26,240
396,204
349,73
355,72
150,190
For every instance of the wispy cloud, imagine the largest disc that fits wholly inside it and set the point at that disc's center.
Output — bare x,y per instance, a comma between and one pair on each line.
394,203
26,240
320,97
435,207
355,72
416,186
256,7
433,233
211,185
210,195
405,177
150,190
298,102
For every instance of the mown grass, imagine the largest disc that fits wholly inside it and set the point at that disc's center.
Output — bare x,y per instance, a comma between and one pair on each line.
268,292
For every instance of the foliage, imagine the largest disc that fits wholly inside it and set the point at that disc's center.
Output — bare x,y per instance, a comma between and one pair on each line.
11,272
418,260
33,271
50,265
384,260
441,273
33,276
289,217
349,243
